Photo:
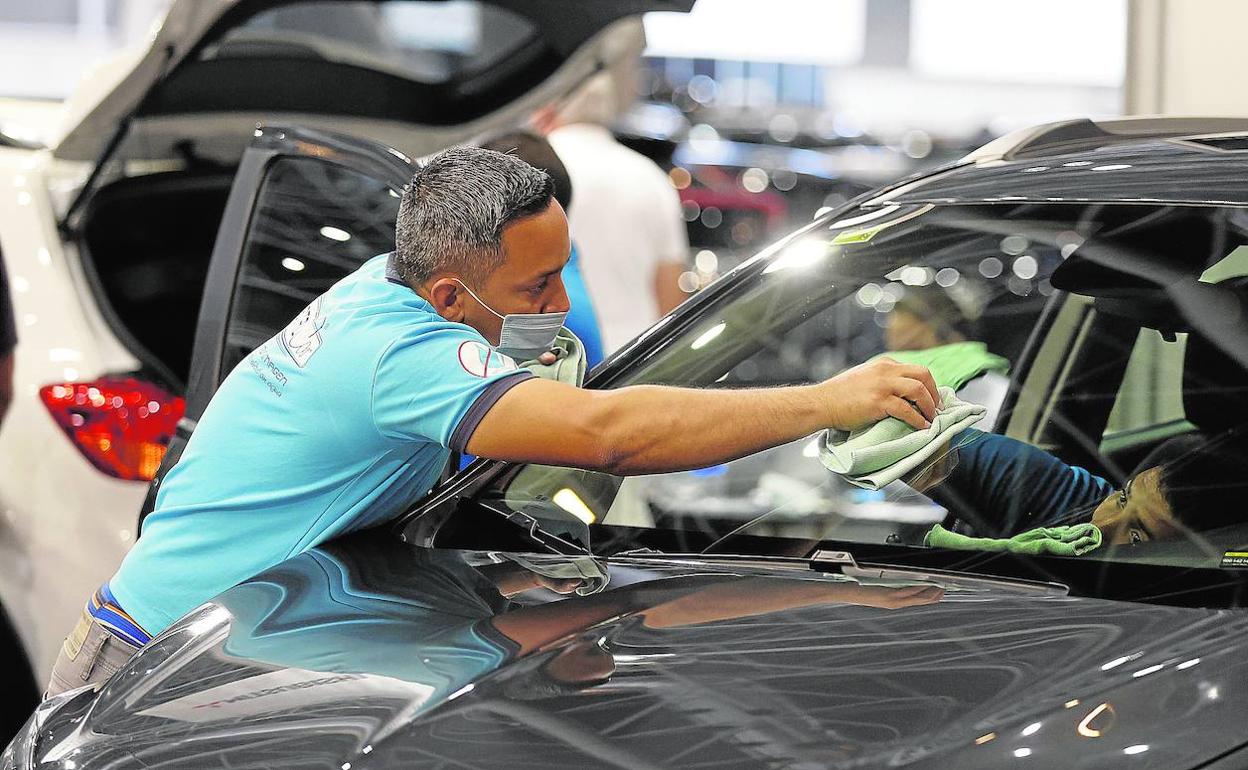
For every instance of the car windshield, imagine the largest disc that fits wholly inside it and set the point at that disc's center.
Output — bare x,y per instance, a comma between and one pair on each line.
1097,352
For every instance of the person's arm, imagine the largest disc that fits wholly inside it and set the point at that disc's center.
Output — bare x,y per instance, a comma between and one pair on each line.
1000,486
670,244
6,384
8,340
655,429
667,291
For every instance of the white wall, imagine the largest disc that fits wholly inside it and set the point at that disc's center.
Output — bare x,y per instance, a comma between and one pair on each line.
1187,57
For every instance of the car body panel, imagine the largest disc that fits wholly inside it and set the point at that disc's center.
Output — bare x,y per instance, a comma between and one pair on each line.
1148,171
340,657
49,521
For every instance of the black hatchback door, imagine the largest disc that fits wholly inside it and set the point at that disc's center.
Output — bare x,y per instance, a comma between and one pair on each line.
306,208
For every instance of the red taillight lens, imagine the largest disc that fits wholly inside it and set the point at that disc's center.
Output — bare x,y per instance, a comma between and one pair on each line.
122,426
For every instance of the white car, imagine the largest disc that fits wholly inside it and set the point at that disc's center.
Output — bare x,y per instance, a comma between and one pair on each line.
107,234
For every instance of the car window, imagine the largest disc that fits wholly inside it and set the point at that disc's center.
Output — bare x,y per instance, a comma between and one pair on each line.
1112,351
428,41
1152,388
313,223
426,62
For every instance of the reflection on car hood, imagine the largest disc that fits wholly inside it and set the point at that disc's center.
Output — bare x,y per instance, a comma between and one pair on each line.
370,654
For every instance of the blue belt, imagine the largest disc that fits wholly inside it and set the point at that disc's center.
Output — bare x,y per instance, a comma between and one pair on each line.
103,607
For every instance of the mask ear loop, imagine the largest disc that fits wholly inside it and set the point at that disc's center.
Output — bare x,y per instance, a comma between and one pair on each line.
480,301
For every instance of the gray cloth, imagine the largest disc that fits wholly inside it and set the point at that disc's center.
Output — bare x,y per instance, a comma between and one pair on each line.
569,366
881,453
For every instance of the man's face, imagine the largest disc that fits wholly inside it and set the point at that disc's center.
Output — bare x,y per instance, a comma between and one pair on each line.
529,279
1137,513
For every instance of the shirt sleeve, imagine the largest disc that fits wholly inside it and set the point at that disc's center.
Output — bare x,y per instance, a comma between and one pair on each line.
1001,487
8,329
437,384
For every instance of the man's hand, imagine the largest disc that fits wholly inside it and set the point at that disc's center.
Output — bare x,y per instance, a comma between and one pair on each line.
882,388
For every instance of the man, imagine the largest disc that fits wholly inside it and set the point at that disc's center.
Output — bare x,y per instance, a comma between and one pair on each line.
537,152
999,487
345,417
8,341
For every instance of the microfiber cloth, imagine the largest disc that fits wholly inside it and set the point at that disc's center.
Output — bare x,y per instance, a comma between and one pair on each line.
878,454
569,366
955,364
1075,540
591,574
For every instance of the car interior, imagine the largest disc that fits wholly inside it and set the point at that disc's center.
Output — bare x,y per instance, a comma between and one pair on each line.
1128,351
146,244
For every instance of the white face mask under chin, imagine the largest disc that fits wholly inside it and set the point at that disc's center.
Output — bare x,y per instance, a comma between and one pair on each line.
524,336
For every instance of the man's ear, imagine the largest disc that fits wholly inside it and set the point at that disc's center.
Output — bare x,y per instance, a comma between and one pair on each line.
447,298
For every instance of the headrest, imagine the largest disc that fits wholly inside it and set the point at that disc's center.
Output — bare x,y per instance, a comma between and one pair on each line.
1215,386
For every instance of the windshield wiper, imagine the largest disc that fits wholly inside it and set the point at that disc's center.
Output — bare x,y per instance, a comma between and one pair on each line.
850,567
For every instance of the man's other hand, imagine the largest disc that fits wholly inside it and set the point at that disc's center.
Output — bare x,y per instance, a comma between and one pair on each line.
881,388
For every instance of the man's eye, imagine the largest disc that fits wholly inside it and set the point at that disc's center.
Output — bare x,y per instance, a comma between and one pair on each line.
539,288
1122,498
1136,537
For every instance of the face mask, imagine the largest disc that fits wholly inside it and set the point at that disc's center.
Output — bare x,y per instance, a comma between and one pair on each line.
524,336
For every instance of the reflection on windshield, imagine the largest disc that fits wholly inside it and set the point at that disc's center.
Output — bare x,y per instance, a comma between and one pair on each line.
1106,346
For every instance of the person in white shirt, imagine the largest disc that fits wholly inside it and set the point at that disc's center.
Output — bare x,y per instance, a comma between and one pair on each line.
626,219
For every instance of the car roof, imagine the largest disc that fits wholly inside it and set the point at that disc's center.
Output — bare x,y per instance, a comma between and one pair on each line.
1079,162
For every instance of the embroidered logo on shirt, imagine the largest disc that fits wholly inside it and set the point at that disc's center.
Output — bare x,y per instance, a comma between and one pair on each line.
302,337
480,360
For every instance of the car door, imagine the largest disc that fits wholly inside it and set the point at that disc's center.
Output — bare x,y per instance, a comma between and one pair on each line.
306,208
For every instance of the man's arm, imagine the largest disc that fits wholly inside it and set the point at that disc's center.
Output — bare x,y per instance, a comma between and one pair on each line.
667,292
655,429
6,383
1000,486
8,340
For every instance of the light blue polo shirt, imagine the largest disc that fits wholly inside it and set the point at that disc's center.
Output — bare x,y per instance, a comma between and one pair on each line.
339,422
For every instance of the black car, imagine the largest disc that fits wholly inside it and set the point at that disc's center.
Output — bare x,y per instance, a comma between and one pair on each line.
763,613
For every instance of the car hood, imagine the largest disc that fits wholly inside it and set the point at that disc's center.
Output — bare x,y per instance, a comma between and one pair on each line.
369,653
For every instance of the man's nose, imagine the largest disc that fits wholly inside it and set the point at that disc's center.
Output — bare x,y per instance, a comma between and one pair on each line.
559,303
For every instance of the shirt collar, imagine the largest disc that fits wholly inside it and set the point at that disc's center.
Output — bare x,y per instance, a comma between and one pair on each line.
392,271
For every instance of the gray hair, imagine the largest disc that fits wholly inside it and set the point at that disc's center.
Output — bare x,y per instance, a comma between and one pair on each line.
454,211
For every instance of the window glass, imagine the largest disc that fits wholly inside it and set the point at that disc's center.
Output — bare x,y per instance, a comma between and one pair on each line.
1152,389
313,223
918,278
425,41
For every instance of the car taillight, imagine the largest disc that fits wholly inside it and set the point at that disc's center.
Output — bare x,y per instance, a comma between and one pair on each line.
121,425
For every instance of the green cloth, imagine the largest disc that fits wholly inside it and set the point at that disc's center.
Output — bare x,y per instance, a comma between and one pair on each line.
569,367
1074,540
883,452
955,364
